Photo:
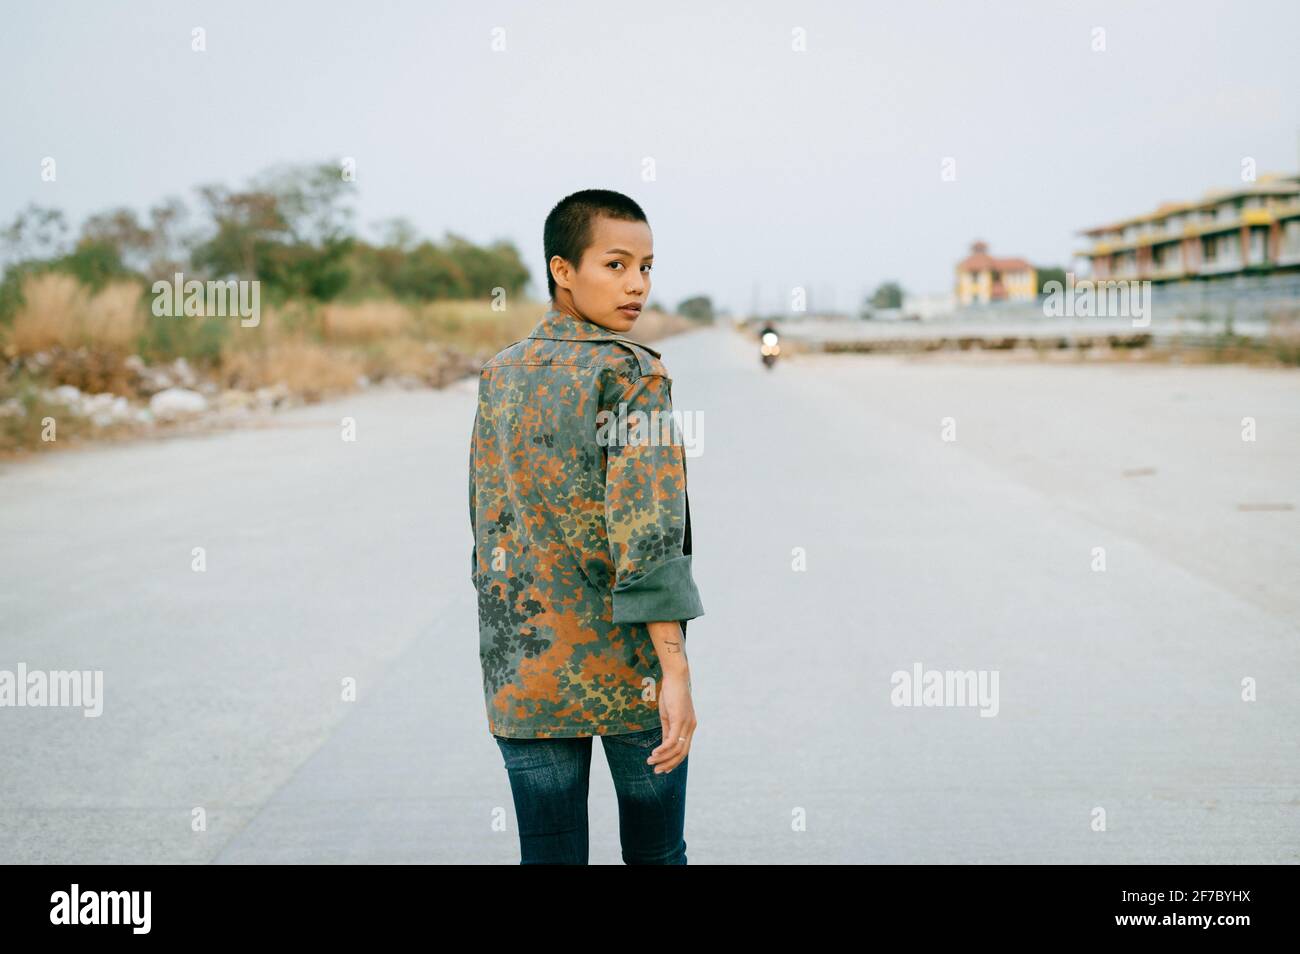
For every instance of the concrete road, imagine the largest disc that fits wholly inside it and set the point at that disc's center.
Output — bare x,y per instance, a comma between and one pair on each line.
1120,733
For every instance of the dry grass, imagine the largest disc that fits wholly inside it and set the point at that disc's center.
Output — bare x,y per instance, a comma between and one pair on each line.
58,312
653,325
51,314
305,368
29,431
70,336
367,321
473,326
113,320
277,324
401,356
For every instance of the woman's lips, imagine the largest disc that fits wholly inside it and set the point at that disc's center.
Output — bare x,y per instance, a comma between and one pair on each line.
631,312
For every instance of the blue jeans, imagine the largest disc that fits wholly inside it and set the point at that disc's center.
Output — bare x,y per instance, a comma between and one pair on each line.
549,782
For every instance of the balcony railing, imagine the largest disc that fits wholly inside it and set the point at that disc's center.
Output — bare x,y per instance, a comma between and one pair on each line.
1224,221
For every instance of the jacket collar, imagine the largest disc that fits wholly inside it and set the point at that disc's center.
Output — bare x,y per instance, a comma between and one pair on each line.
561,326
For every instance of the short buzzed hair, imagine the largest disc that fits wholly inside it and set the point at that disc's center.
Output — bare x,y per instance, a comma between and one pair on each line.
569,227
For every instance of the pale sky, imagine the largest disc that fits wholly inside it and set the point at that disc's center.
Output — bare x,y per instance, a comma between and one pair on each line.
773,168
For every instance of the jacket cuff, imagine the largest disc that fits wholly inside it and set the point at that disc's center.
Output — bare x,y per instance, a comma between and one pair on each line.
666,593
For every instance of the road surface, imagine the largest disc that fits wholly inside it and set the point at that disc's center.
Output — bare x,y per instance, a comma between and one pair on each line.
226,735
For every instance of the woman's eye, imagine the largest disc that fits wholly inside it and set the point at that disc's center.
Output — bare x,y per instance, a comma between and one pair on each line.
647,267
616,263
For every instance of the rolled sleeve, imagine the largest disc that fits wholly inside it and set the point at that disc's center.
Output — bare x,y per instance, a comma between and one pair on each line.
473,501
645,506
666,593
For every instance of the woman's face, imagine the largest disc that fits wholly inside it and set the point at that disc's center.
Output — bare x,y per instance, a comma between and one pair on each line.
614,272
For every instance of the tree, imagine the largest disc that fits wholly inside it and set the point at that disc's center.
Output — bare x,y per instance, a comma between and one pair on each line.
699,308
309,198
397,233
427,273
240,220
36,232
1049,274
289,230
887,295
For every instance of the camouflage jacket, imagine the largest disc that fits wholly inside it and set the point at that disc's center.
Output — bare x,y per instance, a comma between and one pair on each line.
581,530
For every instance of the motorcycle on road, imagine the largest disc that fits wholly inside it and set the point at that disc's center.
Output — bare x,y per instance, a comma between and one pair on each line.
770,347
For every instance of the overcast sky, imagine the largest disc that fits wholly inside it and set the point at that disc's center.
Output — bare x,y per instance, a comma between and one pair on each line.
773,168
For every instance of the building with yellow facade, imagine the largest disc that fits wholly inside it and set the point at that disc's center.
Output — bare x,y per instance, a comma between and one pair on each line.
1251,229
983,278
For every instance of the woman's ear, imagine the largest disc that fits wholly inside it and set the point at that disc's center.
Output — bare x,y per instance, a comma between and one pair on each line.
561,271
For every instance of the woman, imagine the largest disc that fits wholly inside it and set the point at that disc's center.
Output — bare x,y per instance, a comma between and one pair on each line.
581,556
